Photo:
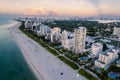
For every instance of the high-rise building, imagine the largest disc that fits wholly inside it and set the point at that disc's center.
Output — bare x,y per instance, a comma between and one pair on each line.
79,39
64,36
43,30
55,34
67,40
28,24
36,27
96,49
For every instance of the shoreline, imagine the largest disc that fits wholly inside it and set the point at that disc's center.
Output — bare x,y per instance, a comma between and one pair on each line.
40,61
28,61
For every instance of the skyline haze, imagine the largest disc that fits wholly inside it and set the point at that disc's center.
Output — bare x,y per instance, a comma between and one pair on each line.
61,7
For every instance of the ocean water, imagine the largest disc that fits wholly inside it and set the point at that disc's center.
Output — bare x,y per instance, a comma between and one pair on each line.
106,21
12,63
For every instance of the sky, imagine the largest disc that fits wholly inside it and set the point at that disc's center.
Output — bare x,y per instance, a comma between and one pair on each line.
61,7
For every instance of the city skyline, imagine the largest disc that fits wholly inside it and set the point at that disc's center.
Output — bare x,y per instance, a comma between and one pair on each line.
60,7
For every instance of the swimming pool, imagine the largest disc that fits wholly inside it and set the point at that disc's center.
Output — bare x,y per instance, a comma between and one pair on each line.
83,58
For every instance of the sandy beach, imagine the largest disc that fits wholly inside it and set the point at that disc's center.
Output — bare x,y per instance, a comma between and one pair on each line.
44,65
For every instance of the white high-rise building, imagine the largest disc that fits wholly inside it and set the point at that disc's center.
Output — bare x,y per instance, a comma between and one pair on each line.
79,39
96,49
116,31
55,34
36,27
28,24
67,40
69,44
107,58
43,30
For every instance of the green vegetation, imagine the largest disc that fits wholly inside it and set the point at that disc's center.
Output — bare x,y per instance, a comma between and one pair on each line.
74,57
114,68
52,51
104,47
86,74
68,62
93,27
102,74
42,43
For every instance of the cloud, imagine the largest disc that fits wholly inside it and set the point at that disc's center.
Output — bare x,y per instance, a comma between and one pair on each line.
96,4
40,11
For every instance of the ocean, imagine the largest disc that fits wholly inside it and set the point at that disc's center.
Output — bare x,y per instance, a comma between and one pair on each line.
12,63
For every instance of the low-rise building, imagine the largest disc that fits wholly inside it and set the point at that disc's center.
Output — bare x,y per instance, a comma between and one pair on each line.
106,58
89,39
96,49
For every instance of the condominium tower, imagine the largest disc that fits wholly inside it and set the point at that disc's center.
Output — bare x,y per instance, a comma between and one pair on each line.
79,39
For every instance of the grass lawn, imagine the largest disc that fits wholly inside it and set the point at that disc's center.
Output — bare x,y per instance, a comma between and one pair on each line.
86,74
71,64
52,51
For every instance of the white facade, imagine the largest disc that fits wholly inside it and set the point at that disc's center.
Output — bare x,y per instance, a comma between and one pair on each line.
107,58
69,43
36,27
64,37
96,49
28,24
67,40
55,34
43,30
116,31
79,39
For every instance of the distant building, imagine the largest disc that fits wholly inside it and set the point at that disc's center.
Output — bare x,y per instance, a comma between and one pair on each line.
106,58
55,34
28,24
96,49
116,31
79,39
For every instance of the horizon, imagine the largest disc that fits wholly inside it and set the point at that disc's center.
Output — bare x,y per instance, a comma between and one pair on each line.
60,7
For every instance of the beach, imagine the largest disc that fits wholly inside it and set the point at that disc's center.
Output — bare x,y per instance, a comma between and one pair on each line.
44,65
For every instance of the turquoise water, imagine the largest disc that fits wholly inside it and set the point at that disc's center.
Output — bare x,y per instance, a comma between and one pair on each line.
12,62
84,58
